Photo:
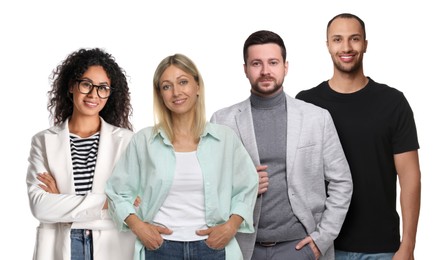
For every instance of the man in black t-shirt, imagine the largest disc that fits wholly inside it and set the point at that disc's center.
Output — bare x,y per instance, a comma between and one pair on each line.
377,130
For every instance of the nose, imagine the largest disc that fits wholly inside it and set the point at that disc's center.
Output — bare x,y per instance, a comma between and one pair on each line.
347,46
176,90
93,92
265,69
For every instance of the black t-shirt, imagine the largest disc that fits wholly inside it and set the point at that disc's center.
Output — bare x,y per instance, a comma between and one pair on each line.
373,124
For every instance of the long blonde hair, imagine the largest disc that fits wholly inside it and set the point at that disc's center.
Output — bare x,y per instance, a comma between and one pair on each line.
162,115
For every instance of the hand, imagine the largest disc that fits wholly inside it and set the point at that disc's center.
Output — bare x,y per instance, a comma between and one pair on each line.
308,241
137,202
404,253
150,235
49,183
219,236
263,178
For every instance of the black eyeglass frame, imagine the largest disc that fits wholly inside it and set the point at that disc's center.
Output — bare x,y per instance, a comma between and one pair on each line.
93,86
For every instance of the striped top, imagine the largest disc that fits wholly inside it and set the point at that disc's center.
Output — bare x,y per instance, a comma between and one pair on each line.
84,153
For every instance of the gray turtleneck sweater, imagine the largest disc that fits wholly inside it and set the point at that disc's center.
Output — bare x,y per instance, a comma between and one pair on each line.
277,221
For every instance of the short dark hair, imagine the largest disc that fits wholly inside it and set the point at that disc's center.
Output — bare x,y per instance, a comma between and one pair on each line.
347,16
262,37
118,108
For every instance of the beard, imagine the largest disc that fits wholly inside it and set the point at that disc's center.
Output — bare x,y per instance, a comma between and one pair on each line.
266,88
347,68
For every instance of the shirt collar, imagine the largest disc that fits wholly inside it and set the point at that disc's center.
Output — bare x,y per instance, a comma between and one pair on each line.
209,131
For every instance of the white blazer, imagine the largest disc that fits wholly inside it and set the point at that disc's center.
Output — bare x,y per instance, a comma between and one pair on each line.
59,213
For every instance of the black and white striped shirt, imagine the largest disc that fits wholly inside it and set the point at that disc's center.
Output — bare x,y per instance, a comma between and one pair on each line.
84,153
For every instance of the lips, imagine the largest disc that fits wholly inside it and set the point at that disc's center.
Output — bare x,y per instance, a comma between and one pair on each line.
91,104
347,58
266,79
178,101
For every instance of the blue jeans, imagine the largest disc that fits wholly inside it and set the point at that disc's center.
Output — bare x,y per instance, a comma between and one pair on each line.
81,246
194,250
343,255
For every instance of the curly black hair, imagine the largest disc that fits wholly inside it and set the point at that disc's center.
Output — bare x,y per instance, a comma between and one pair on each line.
118,108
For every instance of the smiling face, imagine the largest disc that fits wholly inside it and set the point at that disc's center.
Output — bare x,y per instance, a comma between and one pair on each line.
265,69
90,104
346,44
179,91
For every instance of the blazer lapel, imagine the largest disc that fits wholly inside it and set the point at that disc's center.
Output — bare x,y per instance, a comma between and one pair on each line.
244,120
107,149
294,126
59,157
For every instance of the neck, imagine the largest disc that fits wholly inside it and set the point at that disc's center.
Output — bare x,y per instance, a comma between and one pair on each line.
347,82
184,140
183,123
84,126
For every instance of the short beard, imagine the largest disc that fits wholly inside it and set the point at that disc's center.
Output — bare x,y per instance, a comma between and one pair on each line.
263,92
344,69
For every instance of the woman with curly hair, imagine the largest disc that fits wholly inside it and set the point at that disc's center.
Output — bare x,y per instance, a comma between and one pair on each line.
69,163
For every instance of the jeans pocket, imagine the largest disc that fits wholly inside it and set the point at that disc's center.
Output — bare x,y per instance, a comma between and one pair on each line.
161,246
215,249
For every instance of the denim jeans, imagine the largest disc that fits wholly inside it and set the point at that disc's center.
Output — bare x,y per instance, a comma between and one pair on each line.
81,244
194,250
343,255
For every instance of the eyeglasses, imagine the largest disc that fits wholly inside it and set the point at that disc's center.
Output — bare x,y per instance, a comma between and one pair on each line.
86,87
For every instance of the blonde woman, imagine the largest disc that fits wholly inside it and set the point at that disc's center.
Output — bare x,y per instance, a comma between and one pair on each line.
197,183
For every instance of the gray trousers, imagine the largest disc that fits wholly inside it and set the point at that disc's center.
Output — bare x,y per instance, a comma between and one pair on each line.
283,250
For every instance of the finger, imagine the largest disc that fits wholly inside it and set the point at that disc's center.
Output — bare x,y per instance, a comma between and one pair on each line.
137,201
260,168
263,190
52,185
204,232
44,180
164,230
302,243
263,174
155,244
43,187
43,177
264,180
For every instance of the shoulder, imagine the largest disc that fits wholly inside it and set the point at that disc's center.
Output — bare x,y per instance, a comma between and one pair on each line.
218,128
54,130
303,106
115,130
385,92
312,91
144,133
220,132
384,88
233,108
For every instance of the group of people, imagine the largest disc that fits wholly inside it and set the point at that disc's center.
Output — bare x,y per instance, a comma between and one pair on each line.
271,177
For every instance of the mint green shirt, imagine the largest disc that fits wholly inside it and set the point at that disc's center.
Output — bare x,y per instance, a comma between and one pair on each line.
147,169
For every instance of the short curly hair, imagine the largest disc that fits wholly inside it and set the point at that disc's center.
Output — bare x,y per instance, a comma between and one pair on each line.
118,108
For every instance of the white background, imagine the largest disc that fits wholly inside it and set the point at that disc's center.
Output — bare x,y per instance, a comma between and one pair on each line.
35,36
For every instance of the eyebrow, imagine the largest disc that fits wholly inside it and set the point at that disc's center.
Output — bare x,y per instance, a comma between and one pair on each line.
91,81
352,35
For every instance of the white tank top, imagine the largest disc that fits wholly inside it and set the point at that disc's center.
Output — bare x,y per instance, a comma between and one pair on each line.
183,210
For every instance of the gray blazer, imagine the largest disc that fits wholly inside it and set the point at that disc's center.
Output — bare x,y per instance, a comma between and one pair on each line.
313,155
